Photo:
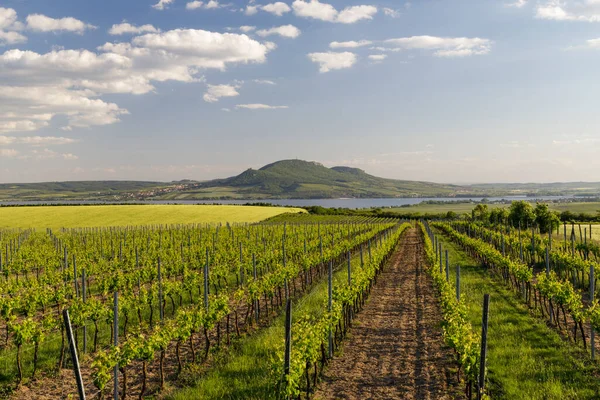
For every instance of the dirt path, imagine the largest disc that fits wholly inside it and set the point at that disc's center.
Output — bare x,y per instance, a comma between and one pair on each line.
395,349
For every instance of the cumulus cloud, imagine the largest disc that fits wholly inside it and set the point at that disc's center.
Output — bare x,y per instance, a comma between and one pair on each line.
258,106
390,12
210,5
350,44
377,57
50,154
124,28
247,28
162,4
9,25
354,14
251,10
8,38
332,60
517,4
289,31
8,153
569,10
215,92
71,83
443,46
42,23
35,140
326,12
264,82
279,8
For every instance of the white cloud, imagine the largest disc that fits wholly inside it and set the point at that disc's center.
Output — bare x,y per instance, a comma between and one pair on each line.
247,28
46,154
444,47
390,12
569,10
350,44
162,4
314,9
123,28
377,57
9,153
192,5
517,4
350,15
326,12
251,10
215,92
211,5
70,83
277,8
264,82
289,31
257,106
332,60
42,23
8,27
11,38
35,140
226,109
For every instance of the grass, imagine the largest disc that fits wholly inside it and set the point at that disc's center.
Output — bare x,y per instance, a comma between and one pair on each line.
526,358
461,208
245,371
127,215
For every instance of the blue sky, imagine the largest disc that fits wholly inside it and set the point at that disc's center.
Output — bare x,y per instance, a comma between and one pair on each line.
445,91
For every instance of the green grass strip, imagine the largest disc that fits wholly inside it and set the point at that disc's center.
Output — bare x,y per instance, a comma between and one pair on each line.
526,358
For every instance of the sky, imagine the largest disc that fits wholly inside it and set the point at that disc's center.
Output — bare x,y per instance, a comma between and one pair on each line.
445,91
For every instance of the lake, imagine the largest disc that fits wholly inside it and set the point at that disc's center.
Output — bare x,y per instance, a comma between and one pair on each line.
329,203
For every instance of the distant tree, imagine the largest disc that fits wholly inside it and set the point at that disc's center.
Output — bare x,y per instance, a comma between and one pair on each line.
481,213
521,212
498,215
451,215
546,219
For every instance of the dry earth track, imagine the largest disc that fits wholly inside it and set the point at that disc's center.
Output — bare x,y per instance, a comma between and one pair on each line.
396,349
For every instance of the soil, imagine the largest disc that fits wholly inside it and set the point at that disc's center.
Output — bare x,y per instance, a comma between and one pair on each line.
395,349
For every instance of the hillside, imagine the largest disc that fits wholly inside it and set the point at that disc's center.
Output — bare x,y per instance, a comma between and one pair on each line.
304,179
287,179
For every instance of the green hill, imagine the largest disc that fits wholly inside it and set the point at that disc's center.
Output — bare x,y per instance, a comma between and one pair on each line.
306,179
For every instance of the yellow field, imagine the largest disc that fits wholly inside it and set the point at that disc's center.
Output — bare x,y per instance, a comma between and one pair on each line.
127,215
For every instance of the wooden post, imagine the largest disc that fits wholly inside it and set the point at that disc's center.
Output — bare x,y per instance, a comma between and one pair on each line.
548,274
206,288
447,261
349,270
241,266
458,283
329,306
116,343
75,276
160,294
74,358
592,290
288,338
84,296
482,358
447,267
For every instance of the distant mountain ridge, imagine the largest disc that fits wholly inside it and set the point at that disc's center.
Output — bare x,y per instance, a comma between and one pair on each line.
285,179
309,179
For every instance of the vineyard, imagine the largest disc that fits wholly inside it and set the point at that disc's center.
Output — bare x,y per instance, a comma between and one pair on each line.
298,307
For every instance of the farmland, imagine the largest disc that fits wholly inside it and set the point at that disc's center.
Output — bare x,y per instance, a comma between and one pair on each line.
132,215
201,309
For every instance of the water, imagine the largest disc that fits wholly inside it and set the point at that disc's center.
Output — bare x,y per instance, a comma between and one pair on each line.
328,203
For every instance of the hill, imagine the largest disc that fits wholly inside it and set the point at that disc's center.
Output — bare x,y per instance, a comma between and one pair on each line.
307,179
286,179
